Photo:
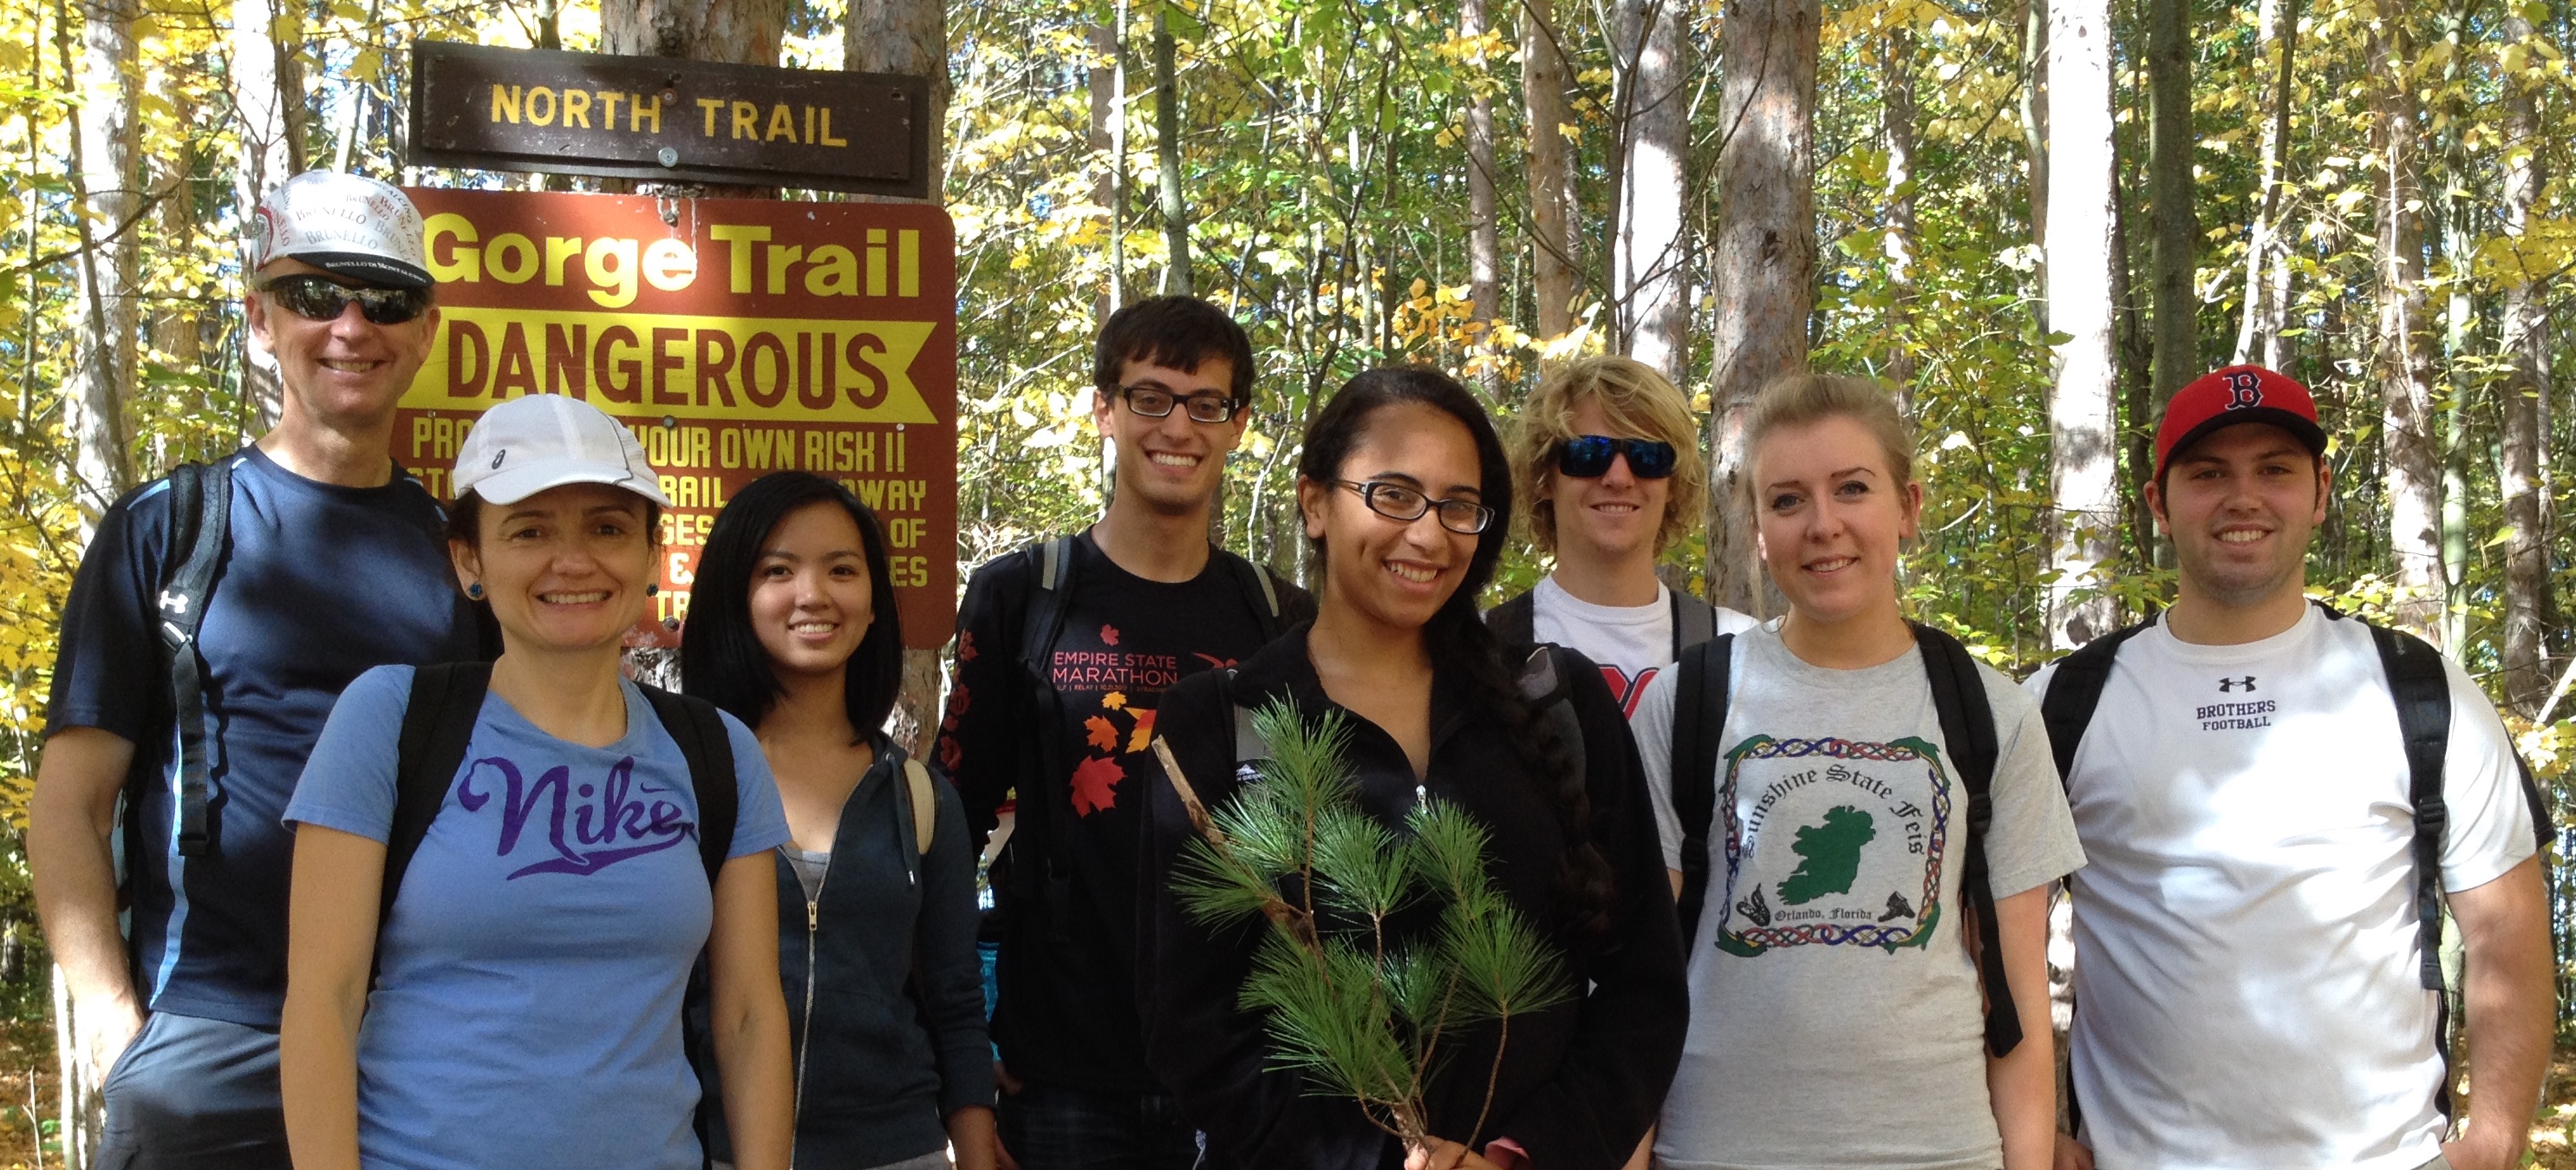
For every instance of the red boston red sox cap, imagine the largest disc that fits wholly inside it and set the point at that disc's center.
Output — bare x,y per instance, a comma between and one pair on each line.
2237,394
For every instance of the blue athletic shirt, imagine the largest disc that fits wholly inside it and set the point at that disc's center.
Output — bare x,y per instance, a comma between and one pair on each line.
320,583
527,1004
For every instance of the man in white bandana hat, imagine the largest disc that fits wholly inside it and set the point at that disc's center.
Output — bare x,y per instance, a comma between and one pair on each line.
214,619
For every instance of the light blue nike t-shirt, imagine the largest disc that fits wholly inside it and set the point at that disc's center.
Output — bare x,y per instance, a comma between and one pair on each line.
527,1006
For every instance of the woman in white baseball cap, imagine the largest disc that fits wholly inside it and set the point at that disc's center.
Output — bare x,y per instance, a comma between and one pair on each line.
564,844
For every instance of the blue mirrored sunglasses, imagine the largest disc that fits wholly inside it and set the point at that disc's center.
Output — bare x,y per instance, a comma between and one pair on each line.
1589,456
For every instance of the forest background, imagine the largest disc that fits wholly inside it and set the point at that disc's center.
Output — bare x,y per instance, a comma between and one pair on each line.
2034,218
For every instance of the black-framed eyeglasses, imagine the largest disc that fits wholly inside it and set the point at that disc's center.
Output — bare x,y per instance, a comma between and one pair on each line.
316,298
1398,502
1156,402
1589,456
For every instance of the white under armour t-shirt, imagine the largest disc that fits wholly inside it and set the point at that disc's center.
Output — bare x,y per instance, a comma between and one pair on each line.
2247,973
1632,643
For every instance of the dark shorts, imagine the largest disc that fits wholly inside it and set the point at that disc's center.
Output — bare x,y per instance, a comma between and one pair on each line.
194,1094
1051,1127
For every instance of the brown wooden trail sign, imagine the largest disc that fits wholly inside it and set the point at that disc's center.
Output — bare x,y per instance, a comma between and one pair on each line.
667,120
736,337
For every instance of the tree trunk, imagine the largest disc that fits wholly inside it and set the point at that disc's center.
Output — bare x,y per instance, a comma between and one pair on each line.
1764,260
910,37
1653,247
741,32
2034,120
2083,430
1553,272
2258,333
1896,241
268,98
2459,248
107,167
2526,353
1167,157
1484,245
2413,454
2176,230
1108,138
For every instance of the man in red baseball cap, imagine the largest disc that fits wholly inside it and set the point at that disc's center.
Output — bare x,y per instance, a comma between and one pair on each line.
2269,791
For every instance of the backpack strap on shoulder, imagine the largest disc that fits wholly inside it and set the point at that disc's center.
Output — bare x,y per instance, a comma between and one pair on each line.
1694,621
699,729
1259,591
1514,622
925,804
1968,727
200,521
1699,730
437,728
2421,687
2076,689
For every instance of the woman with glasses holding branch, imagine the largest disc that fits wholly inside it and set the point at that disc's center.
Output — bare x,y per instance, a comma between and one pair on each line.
1406,496
1606,465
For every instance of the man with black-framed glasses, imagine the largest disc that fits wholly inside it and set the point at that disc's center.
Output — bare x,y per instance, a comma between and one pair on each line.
197,696
1606,465
1063,649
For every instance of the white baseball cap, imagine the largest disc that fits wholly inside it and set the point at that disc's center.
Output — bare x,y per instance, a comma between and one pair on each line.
540,441
346,225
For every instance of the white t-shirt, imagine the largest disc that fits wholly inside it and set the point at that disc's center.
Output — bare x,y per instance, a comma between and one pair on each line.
1632,643
2246,977
1836,1018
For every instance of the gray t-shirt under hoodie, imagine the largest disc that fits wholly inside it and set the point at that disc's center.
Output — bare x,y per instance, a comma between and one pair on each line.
1835,1014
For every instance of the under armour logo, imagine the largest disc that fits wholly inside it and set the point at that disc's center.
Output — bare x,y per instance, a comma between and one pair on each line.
498,456
2244,390
2226,685
175,603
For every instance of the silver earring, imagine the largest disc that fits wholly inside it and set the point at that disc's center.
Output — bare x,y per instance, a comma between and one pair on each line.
475,591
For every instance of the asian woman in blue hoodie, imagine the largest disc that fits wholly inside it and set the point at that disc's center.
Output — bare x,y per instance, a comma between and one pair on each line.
793,630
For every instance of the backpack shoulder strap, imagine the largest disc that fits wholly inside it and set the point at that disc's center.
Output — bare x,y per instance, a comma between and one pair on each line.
1259,591
699,729
1549,692
1052,595
2075,690
200,521
925,804
1694,621
1514,622
2421,687
1968,727
1699,729
437,727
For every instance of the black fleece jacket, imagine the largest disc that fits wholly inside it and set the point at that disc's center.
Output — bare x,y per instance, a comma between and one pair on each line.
1579,1083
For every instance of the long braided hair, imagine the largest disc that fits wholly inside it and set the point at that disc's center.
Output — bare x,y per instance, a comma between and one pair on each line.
1456,637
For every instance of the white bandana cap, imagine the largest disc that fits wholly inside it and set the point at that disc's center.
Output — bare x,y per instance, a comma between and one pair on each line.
347,225
540,441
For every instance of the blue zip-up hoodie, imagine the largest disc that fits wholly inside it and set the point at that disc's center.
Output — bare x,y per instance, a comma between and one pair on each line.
888,1035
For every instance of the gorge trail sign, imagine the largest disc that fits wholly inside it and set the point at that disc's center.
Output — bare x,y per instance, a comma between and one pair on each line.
736,337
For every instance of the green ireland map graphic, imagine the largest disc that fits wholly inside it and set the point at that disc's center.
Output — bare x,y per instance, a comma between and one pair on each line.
1829,855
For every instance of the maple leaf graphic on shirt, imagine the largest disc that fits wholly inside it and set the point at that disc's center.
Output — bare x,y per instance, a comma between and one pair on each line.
1095,785
1114,700
966,646
1143,735
1100,733
1108,635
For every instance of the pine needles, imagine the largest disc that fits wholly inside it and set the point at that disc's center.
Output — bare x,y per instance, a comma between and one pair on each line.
1362,1015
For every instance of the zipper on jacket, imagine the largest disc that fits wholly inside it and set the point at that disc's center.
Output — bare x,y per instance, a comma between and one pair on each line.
813,931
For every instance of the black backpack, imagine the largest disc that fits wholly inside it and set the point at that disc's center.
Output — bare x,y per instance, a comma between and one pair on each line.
1515,622
201,496
1967,726
2421,686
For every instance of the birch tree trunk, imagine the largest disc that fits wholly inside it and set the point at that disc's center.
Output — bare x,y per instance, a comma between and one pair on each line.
1484,244
2034,120
1648,270
108,168
268,99
1167,162
2083,463
2526,352
2175,228
1896,241
2267,269
1108,141
1554,271
1763,261
2410,449
911,37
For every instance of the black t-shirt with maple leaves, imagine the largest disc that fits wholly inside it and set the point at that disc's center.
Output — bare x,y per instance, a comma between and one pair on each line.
1066,887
